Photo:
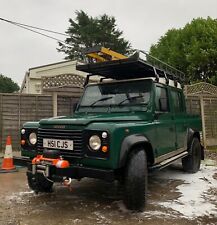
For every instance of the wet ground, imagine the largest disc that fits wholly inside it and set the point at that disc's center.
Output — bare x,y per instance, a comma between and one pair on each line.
97,202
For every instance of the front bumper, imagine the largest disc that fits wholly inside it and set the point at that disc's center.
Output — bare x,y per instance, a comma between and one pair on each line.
74,171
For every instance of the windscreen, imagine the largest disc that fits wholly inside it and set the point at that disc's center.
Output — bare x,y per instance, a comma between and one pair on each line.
118,95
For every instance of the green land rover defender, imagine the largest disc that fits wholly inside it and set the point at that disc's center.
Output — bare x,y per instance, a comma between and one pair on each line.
132,121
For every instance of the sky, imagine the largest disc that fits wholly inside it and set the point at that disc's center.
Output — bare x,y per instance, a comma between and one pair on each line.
142,22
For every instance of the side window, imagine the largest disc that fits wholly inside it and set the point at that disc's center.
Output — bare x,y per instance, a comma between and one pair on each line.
161,100
177,101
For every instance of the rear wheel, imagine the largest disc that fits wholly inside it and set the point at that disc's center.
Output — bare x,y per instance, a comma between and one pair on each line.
39,183
135,182
191,163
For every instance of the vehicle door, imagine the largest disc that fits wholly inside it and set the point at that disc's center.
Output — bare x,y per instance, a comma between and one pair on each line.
179,118
165,126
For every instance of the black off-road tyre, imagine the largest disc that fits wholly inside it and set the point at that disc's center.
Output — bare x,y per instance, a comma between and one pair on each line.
135,182
39,183
191,163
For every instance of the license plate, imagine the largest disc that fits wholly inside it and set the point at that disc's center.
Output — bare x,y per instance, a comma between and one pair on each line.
58,144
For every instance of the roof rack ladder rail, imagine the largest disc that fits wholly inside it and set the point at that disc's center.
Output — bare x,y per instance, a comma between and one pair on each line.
156,74
166,78
180,76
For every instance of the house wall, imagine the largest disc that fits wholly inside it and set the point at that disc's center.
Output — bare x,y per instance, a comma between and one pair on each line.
32,80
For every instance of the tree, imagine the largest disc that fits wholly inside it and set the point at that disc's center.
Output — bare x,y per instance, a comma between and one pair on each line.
86,32
7,85
192,49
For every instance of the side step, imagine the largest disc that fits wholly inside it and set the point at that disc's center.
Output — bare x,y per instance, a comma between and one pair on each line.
169,161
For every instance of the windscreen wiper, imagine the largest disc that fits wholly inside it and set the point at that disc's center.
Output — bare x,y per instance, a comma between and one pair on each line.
130,98
101,100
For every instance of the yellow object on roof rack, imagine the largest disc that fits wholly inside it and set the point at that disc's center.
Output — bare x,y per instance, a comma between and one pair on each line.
102,54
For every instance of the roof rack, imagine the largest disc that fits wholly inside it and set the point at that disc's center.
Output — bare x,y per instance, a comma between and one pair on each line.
139,65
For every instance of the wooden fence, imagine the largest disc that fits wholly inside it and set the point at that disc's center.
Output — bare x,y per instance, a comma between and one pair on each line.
202,99
206,106
16,109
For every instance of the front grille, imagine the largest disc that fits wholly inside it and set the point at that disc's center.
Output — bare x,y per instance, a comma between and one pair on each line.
75,135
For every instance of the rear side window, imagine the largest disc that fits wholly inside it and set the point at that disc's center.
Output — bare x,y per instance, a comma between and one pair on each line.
177,101
161,99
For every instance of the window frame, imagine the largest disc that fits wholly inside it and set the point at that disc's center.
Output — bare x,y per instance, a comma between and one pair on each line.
167,97
179,97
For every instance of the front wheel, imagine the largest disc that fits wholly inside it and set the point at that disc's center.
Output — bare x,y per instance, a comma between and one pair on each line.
191,163
135,182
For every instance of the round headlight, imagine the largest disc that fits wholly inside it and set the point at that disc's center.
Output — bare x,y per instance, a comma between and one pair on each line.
33,138
95,142
23,131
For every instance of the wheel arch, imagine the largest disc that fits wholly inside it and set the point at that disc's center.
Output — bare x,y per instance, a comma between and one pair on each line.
133,142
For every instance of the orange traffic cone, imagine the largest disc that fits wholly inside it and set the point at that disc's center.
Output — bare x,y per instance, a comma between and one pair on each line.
8,164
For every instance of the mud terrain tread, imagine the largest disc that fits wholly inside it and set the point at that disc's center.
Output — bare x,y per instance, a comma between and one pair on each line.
191,163
136,181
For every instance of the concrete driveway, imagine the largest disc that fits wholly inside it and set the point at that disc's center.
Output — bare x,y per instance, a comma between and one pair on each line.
174,198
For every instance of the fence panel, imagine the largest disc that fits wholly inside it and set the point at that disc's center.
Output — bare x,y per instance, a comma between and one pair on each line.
209,117
44,107
65,105
10,119
193,105
16,109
